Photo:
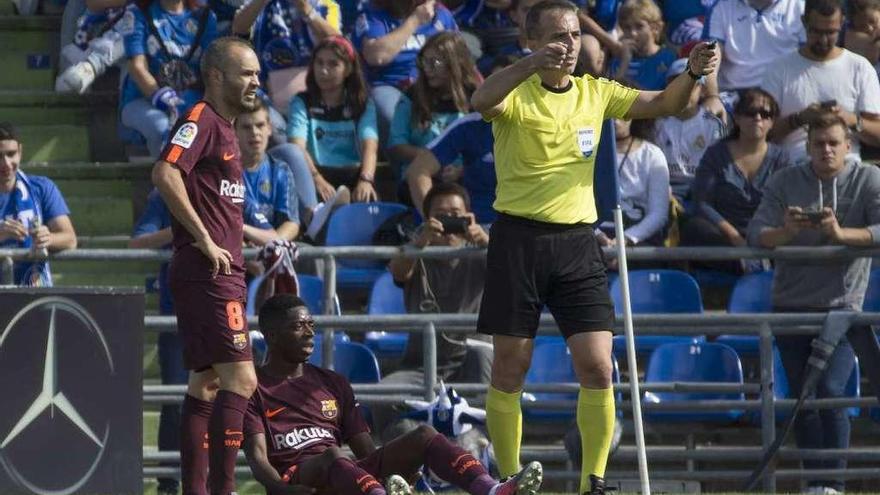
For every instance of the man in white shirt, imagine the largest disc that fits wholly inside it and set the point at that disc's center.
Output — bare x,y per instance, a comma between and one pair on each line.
752,33
822,76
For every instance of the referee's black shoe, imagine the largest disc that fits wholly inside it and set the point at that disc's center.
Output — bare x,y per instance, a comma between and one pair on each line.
597,486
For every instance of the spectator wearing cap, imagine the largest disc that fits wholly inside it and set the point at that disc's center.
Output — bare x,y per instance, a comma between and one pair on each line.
644,61
33,213
822,76
730,180
686,136
389,34
164,41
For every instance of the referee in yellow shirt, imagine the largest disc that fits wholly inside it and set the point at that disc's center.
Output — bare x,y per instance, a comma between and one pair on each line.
542,250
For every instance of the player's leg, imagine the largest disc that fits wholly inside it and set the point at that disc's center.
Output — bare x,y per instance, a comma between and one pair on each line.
581,305
334,470
591,355
511,307
424,445
194,418
238,380
513,355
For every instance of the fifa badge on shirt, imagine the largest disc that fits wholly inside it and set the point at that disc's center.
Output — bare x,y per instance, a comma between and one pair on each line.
329,409
586,139
185,135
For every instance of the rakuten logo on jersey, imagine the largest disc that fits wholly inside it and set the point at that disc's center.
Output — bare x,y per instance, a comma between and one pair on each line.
300,438
234,190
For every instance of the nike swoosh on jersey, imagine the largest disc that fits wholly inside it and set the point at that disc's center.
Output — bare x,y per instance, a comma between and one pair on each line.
273,413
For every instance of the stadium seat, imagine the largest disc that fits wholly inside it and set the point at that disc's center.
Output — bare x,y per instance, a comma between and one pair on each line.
551,363
705,362
714,278
311,290
316,357
356,362
386,298
780,390
751,294
872,295
354,225
658,291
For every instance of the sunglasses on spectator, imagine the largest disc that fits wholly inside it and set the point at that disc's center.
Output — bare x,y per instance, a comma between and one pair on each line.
434,63
755,112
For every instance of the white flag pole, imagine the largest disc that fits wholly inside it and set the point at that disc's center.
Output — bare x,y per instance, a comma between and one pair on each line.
635,395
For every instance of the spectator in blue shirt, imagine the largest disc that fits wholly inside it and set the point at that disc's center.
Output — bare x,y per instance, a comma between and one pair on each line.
389,34
269,186
333,123
644,60
729,182
470,140
164,41
153,231
94,44
478,15
685,19
284,33
33,213
441,94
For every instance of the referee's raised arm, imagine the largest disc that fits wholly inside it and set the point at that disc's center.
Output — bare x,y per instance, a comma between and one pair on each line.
702,61
488,99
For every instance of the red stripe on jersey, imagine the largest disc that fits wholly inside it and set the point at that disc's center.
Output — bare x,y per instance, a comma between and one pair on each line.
195,112
174,154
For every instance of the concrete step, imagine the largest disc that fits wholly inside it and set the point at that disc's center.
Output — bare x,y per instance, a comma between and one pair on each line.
30,51
62,127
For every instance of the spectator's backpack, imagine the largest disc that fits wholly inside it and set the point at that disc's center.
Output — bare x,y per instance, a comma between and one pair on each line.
176,72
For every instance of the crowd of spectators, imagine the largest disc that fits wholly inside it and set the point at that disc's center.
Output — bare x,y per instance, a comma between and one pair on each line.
349,85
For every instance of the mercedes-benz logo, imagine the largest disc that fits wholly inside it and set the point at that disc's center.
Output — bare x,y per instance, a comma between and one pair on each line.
50,397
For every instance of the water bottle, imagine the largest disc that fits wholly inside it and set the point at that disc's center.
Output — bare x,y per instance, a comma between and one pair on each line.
40,252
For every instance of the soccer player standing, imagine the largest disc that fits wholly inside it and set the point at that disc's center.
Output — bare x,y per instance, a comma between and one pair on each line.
199,175
542,250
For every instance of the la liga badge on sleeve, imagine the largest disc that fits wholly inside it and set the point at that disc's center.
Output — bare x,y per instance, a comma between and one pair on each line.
185,135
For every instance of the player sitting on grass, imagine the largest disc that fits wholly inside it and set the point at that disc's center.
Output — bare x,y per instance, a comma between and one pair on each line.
300,415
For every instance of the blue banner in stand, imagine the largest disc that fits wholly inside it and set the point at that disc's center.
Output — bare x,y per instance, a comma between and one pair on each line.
70,381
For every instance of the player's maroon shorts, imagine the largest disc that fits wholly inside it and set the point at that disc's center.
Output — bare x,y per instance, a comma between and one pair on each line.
372,464
211,322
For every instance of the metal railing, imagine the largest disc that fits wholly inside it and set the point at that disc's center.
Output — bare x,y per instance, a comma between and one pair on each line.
764,325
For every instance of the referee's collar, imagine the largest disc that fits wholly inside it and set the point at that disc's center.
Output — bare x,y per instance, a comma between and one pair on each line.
559,90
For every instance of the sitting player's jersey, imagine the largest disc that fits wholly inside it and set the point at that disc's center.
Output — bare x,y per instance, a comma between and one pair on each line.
204,147
302,417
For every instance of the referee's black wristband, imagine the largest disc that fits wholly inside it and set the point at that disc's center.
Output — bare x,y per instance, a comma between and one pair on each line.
695,77
368,180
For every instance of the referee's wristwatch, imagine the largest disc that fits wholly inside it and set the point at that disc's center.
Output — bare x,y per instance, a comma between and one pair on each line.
693,75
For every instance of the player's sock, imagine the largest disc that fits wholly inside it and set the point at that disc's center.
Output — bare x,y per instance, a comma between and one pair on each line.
347,478
457,466
194,418
595,420
224,439
504,421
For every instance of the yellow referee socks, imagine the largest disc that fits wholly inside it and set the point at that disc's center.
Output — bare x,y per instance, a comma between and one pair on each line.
595,420
504,422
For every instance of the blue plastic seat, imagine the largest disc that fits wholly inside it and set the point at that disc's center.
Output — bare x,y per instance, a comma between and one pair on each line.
356,362
751,294
781,390
386,298
311,290
551,363
705,362
658,291
354,225
316,357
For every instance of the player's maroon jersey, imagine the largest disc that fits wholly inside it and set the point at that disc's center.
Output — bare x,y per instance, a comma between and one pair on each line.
205,149
302,417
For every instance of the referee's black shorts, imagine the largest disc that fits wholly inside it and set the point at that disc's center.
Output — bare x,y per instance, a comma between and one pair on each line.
532,264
